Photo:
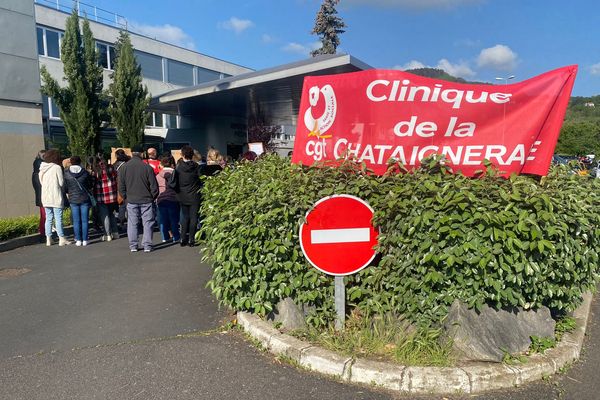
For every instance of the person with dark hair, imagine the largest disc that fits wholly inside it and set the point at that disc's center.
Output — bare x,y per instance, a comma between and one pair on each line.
137,184
105,191
168,206
121,159
78,183
52,181
187,184
37,188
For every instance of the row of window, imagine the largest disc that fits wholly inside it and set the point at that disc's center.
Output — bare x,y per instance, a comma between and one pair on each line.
153,67
153,120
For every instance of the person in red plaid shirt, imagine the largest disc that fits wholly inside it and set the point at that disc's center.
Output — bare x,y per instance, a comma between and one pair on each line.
105,191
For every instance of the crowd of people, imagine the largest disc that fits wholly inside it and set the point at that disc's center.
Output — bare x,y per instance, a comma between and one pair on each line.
143,192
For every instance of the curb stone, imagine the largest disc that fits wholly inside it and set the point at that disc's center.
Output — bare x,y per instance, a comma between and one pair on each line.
473,377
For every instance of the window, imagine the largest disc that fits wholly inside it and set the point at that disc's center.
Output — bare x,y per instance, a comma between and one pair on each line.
106,55
45,111
113,56
154,120
206,75
180,73
40,41
52,44
103,55
48,42
151,65
172,121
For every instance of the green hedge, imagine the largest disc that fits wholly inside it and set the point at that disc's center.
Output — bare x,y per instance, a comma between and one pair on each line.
504,242
11,228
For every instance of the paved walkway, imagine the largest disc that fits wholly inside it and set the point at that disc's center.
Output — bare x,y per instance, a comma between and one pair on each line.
103,323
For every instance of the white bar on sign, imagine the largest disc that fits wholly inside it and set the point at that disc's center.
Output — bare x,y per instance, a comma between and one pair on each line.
351,235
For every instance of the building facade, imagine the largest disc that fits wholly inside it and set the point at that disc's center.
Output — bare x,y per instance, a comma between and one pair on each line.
32,32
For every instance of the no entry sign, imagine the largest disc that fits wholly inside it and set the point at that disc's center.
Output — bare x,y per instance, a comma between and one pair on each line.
338,236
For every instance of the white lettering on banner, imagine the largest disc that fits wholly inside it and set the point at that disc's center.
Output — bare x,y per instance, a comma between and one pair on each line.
315,149
456,155
379,90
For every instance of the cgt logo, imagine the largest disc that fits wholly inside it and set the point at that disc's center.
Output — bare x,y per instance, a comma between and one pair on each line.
323,104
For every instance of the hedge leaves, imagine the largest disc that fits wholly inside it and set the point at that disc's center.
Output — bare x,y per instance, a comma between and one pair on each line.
504,242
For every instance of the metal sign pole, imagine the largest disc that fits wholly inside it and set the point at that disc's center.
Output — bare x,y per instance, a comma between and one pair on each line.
340,303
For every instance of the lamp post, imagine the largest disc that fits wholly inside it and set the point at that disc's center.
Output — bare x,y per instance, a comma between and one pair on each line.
505,79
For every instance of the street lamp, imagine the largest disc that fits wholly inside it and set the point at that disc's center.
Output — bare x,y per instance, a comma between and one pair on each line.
506,79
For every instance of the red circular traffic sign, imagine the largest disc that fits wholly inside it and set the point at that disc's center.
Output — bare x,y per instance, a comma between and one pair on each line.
338,236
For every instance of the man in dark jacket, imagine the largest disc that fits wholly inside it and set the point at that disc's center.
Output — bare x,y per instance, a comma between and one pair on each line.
137,184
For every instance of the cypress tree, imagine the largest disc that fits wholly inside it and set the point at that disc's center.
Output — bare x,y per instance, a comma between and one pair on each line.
79,102
129,98
328,26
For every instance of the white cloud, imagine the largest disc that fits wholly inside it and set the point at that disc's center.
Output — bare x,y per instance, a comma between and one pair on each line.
499,57
167,33
412,64
460,69
595,69
236,24
303,49
267,38
416,4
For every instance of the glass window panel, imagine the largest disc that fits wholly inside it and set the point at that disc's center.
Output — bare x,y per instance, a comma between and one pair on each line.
52,44
40,41
172,121
54,113
151,65
149,119
44,105
180,73
158,120
113,56
102,55
207,75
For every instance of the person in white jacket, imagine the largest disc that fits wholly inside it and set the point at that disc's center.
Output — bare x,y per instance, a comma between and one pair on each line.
52,180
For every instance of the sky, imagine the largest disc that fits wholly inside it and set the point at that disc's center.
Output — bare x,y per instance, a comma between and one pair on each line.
478,40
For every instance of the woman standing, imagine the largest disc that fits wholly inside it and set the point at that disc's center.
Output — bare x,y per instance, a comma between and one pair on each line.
37,188
52,181
187,183
78,183
168,207
105,191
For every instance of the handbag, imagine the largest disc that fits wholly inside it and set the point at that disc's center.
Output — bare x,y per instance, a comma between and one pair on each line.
91,196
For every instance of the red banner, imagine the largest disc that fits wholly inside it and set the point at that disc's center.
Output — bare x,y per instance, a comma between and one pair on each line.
378,115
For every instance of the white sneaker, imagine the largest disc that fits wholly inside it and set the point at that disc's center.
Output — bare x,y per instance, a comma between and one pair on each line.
108,238
84,243
78,243
48,240
63,241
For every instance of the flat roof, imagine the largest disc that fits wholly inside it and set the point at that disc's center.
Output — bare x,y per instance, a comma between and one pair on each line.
232,95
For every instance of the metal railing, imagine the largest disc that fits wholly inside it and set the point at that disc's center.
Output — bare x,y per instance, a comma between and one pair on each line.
90,11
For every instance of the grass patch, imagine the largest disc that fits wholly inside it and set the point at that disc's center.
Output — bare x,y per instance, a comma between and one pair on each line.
564,325
11,228
384,339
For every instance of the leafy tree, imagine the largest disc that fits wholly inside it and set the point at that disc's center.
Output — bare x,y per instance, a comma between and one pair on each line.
79,102
578,138
328,26
129,98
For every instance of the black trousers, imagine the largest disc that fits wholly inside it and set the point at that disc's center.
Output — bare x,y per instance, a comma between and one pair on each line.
189,222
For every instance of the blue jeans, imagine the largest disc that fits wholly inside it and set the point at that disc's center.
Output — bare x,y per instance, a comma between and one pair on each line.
168,212
54,213
135,213
81,215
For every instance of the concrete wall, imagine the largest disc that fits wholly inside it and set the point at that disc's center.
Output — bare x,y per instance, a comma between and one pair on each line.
21,135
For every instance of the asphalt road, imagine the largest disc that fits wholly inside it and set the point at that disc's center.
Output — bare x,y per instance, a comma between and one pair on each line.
103,323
